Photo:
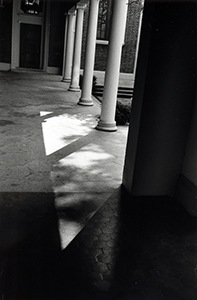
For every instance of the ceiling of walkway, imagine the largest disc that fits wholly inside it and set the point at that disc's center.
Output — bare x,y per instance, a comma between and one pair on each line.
73,2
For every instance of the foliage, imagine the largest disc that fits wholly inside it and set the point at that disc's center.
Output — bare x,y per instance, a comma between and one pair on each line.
94,82
123,111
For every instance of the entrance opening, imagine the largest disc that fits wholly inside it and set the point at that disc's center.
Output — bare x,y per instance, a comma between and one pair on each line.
30,45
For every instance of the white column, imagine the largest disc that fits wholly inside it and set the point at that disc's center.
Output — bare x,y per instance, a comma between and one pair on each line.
77,48
107,119
86,95
69,46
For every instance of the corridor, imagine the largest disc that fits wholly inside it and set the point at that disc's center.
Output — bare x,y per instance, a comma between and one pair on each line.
56,172
67,227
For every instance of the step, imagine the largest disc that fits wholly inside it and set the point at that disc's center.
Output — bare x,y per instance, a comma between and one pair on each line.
120,87
119,95
123,92
119,91
125,89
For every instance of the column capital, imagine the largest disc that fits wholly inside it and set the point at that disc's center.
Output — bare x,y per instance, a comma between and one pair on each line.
83,2
72,11
80,5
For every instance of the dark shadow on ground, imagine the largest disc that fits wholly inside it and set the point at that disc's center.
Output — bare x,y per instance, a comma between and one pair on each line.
157,246
139,248
29,246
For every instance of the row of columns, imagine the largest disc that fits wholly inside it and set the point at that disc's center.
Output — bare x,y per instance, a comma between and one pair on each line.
72,58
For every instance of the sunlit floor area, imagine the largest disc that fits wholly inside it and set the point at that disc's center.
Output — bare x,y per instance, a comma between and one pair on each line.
50,144
50,149
68,230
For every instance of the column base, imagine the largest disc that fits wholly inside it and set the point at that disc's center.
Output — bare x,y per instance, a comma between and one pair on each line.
85,102
67,80
74,88
104,126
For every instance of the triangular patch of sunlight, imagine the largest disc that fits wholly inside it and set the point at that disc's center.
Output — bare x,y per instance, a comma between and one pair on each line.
85,158
45,113
68,231
60,131
79,172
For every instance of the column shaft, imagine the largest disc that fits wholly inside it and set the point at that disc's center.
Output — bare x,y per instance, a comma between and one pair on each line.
107,120
77,49
65,44
69,46
86,95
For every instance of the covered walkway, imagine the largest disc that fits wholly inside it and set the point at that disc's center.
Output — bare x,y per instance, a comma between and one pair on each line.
53,163
49,144
67,229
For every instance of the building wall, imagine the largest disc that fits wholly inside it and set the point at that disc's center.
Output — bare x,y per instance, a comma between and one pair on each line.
129,47
56,37
5,31
131,35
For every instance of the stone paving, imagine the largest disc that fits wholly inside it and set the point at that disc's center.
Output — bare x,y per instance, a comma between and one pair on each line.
49,150
144,248
49,144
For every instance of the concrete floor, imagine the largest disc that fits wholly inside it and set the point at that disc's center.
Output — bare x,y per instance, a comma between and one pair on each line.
49,144
67,228
53,161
